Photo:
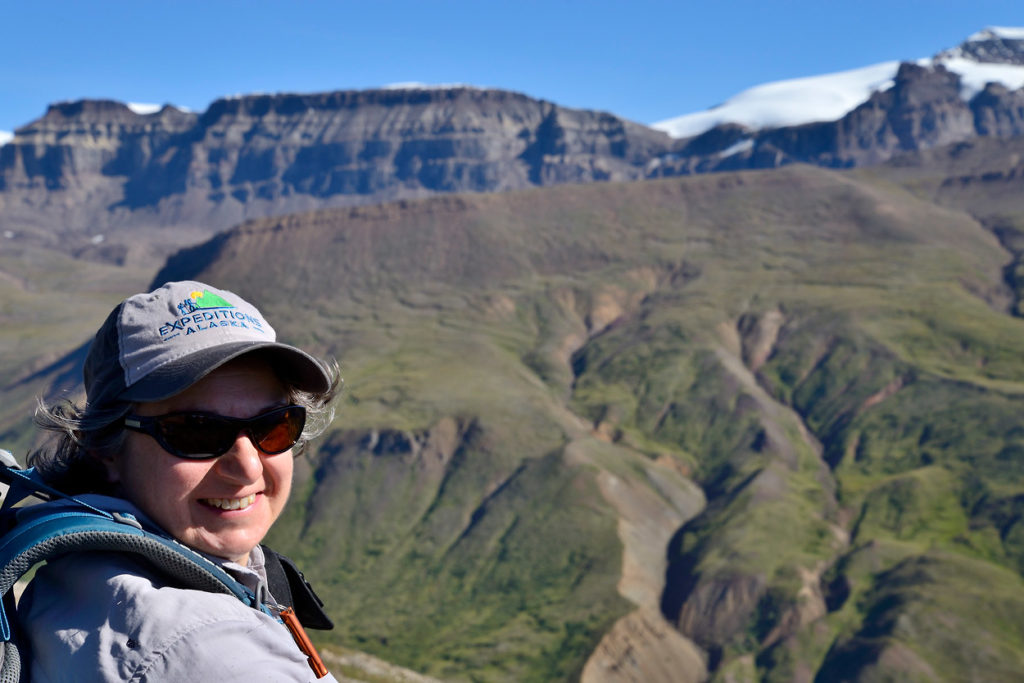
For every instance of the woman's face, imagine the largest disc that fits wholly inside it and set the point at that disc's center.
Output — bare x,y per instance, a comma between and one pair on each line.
224,506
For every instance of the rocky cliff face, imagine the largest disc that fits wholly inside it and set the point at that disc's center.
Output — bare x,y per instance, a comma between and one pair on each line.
87,168
391,143
77,144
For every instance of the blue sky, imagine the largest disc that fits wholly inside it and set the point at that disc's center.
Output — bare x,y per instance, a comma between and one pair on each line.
645,60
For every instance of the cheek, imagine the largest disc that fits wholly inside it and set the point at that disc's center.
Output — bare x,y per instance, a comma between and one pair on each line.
150,477
280,469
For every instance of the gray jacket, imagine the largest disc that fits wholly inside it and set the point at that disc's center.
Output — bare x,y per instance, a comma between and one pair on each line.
103,616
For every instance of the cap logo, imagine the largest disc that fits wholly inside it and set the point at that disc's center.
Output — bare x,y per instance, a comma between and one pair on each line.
203,299
204,310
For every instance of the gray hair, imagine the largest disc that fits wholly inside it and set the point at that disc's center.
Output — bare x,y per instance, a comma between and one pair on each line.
84,436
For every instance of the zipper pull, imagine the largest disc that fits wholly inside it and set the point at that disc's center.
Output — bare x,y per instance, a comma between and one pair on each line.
291,622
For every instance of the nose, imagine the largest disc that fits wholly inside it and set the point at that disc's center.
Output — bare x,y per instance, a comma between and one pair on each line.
243,463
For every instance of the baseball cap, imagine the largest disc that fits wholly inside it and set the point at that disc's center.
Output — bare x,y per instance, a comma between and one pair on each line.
153,346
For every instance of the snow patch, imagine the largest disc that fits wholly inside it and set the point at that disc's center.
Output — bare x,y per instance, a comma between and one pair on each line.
5,137
974,75
414,85
996,33
744,145
791,102
144,108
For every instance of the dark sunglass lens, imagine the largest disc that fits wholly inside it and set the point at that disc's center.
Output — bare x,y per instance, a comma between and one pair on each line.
193,435
277,432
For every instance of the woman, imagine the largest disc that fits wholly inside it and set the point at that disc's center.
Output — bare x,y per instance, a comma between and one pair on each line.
192,413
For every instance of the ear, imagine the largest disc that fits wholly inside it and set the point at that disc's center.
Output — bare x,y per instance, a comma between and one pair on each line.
111,464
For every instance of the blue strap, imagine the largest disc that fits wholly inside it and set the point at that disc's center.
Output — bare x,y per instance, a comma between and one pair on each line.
26,483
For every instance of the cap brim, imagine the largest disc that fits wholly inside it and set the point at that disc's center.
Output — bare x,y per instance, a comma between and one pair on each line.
295,366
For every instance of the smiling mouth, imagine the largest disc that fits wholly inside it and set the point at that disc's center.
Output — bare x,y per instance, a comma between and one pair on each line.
231,503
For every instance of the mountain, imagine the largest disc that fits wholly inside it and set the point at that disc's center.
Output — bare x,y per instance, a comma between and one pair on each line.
131,184
864,116
756,424
97,178
831,357
992,55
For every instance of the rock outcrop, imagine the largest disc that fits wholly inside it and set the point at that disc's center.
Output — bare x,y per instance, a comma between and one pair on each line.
643,648
88,168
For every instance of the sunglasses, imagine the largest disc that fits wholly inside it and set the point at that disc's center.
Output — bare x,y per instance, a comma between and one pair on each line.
201,436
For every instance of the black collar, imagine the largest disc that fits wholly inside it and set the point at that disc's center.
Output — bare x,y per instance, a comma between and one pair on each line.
290,588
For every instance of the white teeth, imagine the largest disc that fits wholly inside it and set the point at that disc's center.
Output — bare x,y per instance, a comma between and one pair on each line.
231,503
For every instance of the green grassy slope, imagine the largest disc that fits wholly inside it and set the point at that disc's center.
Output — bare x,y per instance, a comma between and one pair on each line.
831,357
50,305
826,355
